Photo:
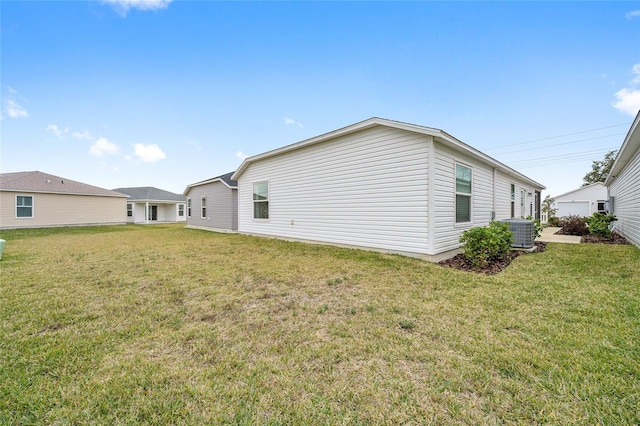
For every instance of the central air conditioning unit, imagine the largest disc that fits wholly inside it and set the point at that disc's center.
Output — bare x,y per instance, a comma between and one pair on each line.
524,232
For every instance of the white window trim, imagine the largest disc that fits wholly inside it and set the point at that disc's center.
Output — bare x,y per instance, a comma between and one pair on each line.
189,207
268,201
203,198
456,193
33,207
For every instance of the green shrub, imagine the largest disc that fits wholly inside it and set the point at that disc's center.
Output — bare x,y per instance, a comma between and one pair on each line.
484,244
599,224
536,225
553,221
574,225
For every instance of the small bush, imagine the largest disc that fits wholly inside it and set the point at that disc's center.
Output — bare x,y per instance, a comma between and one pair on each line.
599,224
484,244
574,225
536,225
407,324
553,221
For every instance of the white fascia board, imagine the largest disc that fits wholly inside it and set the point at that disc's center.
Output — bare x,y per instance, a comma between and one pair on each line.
376,121
31,191
371,122
468,149
205,182
630,145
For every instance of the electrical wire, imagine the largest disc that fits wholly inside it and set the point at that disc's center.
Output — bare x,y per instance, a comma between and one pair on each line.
556,137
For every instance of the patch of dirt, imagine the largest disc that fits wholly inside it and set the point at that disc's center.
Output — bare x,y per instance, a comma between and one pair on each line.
460,262
613,239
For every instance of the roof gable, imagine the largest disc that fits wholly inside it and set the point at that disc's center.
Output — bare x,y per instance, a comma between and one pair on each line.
439,135
225,179
36,181
150,193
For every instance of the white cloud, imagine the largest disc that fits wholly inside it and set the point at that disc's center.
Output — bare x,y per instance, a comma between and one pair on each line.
241,155
149,153
632,14
123,6
291,122
57,130
83,135
628,98
627,101
14,110
104,147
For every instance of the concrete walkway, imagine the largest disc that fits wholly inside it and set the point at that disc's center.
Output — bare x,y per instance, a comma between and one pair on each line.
549,236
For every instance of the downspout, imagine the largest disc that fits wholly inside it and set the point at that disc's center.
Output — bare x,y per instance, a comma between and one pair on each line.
494,202
431,196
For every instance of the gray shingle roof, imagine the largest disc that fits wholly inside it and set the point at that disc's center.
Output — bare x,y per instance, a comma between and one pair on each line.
36,181
149,193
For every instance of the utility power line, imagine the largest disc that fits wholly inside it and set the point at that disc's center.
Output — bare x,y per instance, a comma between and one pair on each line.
557,137
563,143
562,159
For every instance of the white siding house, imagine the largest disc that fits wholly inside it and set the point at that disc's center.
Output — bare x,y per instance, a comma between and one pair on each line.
583,201
623,184
35,200
213,204
382,185
147,204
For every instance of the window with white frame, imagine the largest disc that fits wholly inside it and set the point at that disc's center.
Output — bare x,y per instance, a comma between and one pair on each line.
24,206
203,207
188,207
180,210
129,210
513,200
522,211
261,200
463,193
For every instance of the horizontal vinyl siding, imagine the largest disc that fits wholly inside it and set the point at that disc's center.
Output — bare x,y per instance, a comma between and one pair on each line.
483,202
365,189
63,210
625,189
221,206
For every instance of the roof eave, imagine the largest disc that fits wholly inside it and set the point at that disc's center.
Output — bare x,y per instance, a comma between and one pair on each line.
629,146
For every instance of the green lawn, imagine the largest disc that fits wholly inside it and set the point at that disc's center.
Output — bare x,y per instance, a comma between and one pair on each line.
167,325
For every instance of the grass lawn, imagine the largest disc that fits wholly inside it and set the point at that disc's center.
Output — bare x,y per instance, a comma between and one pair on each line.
166,325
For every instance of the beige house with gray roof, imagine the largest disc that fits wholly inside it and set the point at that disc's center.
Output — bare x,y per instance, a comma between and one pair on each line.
36,200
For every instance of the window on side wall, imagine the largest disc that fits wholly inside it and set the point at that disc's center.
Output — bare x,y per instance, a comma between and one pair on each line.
180,210
261,200
513,200
129,210
188,207
463,193
522,212
24,206
203,206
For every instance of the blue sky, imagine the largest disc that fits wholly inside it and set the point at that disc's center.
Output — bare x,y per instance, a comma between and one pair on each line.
167,93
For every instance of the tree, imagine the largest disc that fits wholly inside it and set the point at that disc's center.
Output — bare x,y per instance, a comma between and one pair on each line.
546,206
600,169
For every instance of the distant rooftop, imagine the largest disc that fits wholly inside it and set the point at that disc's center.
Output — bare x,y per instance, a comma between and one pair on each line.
35,181
150,193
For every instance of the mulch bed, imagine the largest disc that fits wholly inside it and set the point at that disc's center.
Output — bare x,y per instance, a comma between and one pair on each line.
613,239
460,262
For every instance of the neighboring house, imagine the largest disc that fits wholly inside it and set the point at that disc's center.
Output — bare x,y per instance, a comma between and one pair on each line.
623,184
213,204
583,201
35,200
382,185
147,204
